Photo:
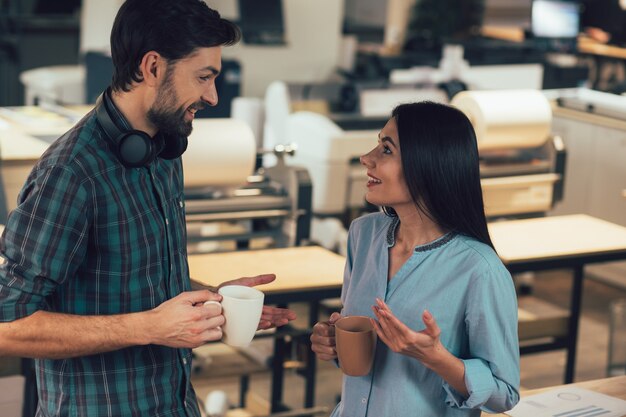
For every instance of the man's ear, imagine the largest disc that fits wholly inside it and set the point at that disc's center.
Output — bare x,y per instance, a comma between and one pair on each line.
152,68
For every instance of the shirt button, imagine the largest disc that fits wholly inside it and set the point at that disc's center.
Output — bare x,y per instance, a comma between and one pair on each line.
363,400
180,203
185,361
167,221
185,402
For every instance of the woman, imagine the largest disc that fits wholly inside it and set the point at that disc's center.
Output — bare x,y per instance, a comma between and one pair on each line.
445,307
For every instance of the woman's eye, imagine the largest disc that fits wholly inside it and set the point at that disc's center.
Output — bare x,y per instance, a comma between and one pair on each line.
386,150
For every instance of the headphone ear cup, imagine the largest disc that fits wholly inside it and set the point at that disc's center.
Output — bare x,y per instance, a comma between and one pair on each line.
135,149
173,147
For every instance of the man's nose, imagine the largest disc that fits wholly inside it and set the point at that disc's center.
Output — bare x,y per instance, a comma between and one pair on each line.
210,96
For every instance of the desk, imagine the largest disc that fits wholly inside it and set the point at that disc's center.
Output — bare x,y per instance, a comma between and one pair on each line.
312,274
303,274
25,134
615,387
585,44
561,242
602,54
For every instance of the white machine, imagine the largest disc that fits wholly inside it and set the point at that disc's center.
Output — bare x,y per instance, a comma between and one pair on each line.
522,164
65,84
331,156
591,101
225,199
479,77
221,187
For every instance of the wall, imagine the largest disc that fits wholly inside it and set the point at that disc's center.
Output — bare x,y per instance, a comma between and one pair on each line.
313,33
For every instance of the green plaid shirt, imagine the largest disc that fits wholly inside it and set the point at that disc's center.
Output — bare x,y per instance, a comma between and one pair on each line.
91,237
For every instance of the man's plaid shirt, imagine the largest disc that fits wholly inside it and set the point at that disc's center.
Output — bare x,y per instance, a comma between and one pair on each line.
91,237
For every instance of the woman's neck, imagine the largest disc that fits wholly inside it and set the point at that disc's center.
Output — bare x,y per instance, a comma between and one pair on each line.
416,229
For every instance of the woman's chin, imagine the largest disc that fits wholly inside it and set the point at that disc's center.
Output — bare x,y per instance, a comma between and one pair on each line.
373,200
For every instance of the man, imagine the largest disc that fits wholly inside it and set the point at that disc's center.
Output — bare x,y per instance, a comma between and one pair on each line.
95,283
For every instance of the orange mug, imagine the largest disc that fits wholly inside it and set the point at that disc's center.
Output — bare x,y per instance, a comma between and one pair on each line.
355,342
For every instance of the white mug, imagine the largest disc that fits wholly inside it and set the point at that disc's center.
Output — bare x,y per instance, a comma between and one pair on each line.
242,307
216,404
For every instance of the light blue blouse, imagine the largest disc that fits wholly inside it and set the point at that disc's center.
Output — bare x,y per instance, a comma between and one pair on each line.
469,292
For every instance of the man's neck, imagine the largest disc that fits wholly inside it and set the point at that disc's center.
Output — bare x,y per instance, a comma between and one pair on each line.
134,106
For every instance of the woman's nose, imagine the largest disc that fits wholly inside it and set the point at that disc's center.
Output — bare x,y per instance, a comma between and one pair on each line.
365,160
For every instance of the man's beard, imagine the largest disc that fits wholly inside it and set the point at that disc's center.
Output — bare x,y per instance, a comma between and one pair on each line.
169,119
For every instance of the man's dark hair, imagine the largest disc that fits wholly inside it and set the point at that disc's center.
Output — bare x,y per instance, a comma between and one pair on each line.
439,157
173,28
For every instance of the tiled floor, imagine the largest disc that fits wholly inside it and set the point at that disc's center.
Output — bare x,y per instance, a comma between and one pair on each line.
537,370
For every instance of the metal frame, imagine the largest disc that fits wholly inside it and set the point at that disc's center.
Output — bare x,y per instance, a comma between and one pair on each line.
576,263
278,372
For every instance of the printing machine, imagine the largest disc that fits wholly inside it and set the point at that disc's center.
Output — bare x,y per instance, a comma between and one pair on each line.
591,101
225,199
273,202
523,182
518,179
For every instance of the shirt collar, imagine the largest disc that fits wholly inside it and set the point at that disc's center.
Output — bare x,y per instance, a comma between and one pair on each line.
440,241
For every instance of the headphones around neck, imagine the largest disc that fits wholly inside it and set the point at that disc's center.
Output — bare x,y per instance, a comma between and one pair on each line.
135,148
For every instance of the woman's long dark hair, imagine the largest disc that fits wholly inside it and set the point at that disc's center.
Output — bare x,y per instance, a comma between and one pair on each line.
441,168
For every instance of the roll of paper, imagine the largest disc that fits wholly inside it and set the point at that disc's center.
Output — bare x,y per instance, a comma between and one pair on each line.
221,153
507,118
250,110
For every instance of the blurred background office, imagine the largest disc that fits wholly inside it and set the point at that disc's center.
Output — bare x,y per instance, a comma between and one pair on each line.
299,41
276,163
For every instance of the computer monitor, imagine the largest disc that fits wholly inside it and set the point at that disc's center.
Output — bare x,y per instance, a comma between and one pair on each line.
555,24
262,22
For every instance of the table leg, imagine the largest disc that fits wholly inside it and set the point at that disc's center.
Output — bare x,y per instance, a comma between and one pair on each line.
30,388
574,321
278,371
311,365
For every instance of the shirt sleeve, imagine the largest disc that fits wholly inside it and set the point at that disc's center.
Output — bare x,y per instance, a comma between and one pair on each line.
44,241
492,366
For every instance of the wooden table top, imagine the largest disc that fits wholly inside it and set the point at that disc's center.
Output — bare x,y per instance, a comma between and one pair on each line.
296,269
313,268
556,237
589,46
614,387
18,146
20,127
585,44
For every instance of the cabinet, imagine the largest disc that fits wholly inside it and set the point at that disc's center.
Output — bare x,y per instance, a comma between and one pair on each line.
595,177
596,165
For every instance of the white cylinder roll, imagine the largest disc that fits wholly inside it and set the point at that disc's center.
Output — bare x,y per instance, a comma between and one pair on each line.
507,118
250,110
221,153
